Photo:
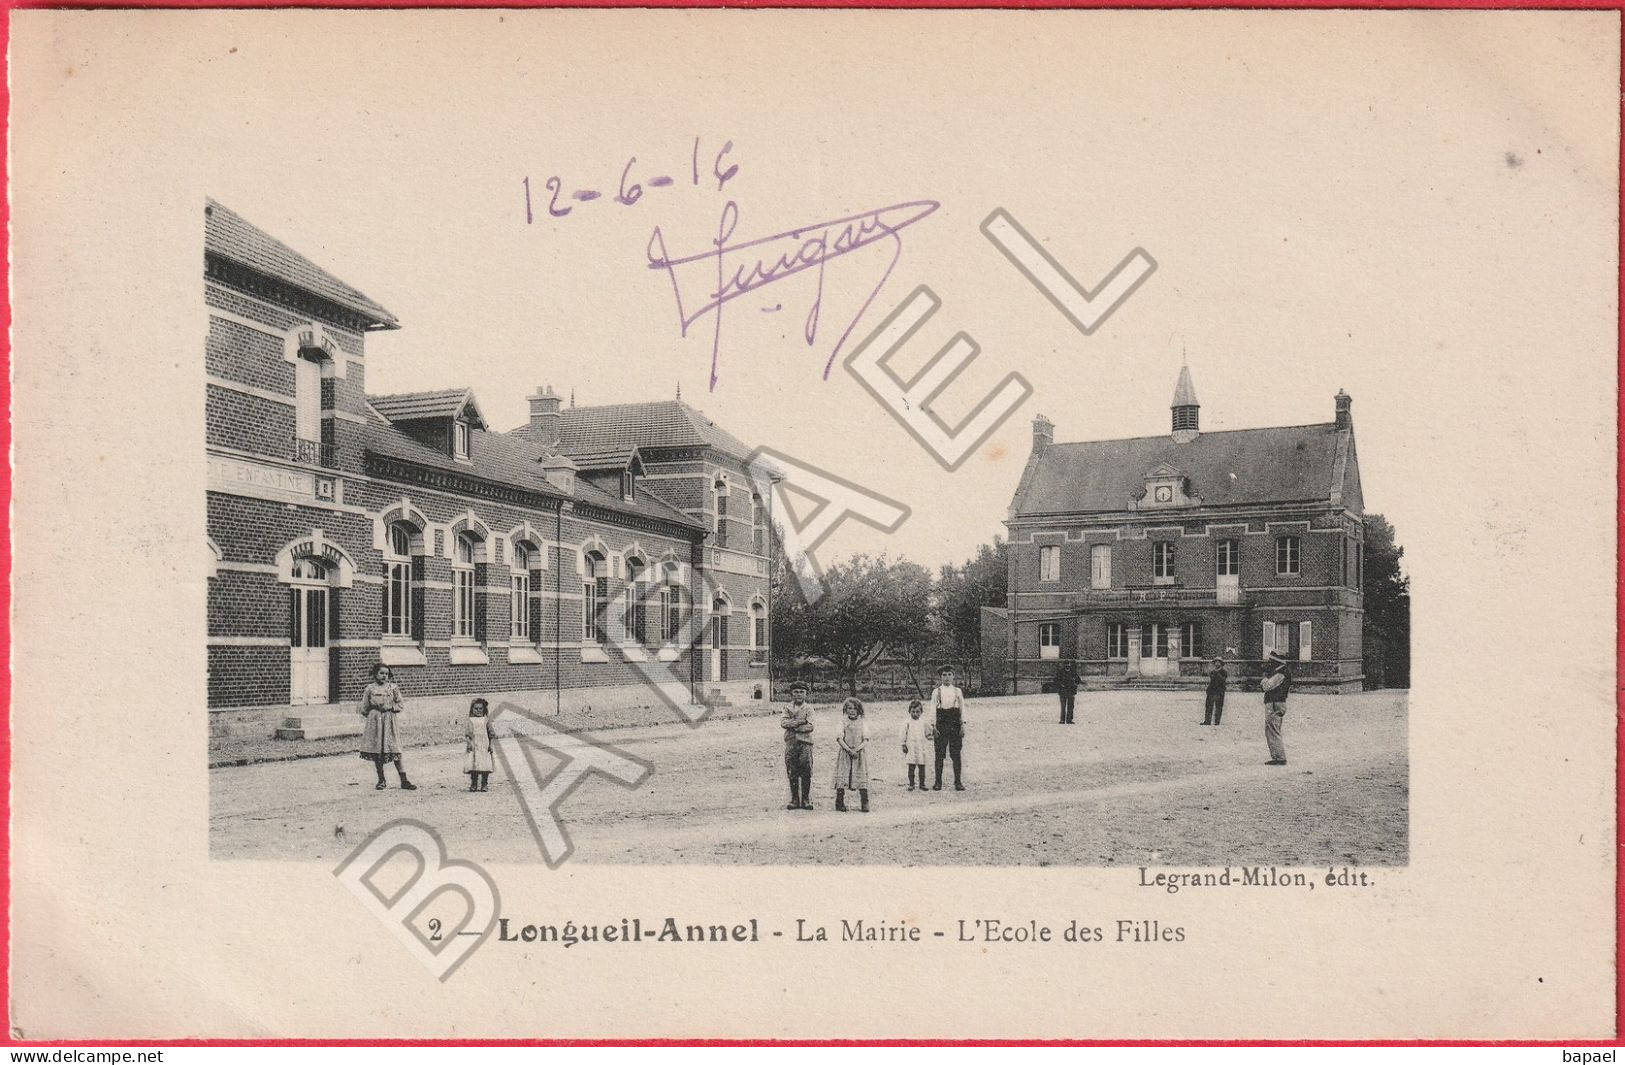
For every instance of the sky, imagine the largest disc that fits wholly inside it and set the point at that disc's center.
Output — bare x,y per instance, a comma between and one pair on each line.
1375,213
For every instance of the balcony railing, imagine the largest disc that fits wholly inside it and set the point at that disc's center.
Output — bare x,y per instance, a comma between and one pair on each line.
313,453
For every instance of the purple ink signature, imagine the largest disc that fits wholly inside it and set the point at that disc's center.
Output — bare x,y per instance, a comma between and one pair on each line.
750,265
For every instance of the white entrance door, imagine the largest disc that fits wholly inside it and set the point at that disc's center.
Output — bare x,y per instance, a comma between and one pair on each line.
307,608
1154,649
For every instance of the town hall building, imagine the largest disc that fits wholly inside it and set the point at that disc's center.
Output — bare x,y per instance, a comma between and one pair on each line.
587,551
1140,560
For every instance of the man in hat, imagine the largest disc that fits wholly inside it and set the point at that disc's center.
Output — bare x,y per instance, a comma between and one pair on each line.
1066,686
798,728
949,729
1277,683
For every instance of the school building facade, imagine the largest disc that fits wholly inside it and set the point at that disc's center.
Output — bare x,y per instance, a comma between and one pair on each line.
1140,560
591,551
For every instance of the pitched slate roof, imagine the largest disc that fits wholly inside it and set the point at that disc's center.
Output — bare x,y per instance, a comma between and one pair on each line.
501,458
1285,464
229,236
408,406
664,423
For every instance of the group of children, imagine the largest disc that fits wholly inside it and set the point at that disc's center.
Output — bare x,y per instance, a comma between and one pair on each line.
852,745
381,705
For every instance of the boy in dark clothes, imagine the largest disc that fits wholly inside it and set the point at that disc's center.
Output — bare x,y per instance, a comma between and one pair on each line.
1217,679
798,729
1066,686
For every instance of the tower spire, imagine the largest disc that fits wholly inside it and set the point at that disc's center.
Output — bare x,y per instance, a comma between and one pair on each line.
1187,423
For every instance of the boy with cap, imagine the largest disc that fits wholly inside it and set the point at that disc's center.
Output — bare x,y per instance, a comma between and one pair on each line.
949,730
798,728
1276,683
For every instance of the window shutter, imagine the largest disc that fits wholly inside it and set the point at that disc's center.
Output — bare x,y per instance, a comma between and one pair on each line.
534,606
1269,638
479,603
419,574
1304,641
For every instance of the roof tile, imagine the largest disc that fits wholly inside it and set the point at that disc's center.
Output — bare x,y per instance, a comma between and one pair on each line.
230,236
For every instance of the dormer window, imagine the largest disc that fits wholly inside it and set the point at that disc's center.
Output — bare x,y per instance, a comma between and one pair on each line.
626,484
459,438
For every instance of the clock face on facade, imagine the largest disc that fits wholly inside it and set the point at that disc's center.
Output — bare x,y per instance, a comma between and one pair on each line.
1164,494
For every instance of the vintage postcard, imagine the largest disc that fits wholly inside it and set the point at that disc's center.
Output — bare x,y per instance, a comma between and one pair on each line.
777,524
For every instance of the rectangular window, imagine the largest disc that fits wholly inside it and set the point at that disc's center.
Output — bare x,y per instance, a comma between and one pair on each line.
1100,566
460,434
1049,640
1049,563
1288,559
1305,640
1116,640
1227,556
1359,568
519,607
1187,640
462,603
637,614
307,414
1267,644
398,598
1162,561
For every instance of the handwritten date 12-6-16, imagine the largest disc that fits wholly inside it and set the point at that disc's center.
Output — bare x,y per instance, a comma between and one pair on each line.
632,186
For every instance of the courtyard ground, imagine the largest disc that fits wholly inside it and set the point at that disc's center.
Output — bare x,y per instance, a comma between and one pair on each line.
1137,781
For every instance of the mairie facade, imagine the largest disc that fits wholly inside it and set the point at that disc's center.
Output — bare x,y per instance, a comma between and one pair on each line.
592,551
1142,559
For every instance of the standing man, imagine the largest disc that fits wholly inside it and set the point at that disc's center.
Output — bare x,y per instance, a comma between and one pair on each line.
1277,683
798,729
949,730
1066,686
1217,680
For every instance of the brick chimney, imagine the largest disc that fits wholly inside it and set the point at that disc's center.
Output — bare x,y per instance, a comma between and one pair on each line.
1043,433
544,417
1345,412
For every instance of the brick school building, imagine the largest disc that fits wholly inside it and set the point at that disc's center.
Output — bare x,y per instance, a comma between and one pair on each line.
578,553
1142,559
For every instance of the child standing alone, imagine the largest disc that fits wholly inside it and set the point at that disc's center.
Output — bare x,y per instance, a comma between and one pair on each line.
914,743
852,756
480,755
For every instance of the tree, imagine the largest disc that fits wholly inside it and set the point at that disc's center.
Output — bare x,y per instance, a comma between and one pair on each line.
1387,628
870,605
963,591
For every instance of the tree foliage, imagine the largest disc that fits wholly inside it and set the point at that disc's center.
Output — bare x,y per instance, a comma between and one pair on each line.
1387,629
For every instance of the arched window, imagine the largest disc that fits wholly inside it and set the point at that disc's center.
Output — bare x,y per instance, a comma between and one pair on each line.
637,615
400,583
721,489
464,597
595,599
758,631
519,619
671,603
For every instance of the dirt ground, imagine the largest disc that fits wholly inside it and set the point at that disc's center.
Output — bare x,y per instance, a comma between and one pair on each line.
1137,781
